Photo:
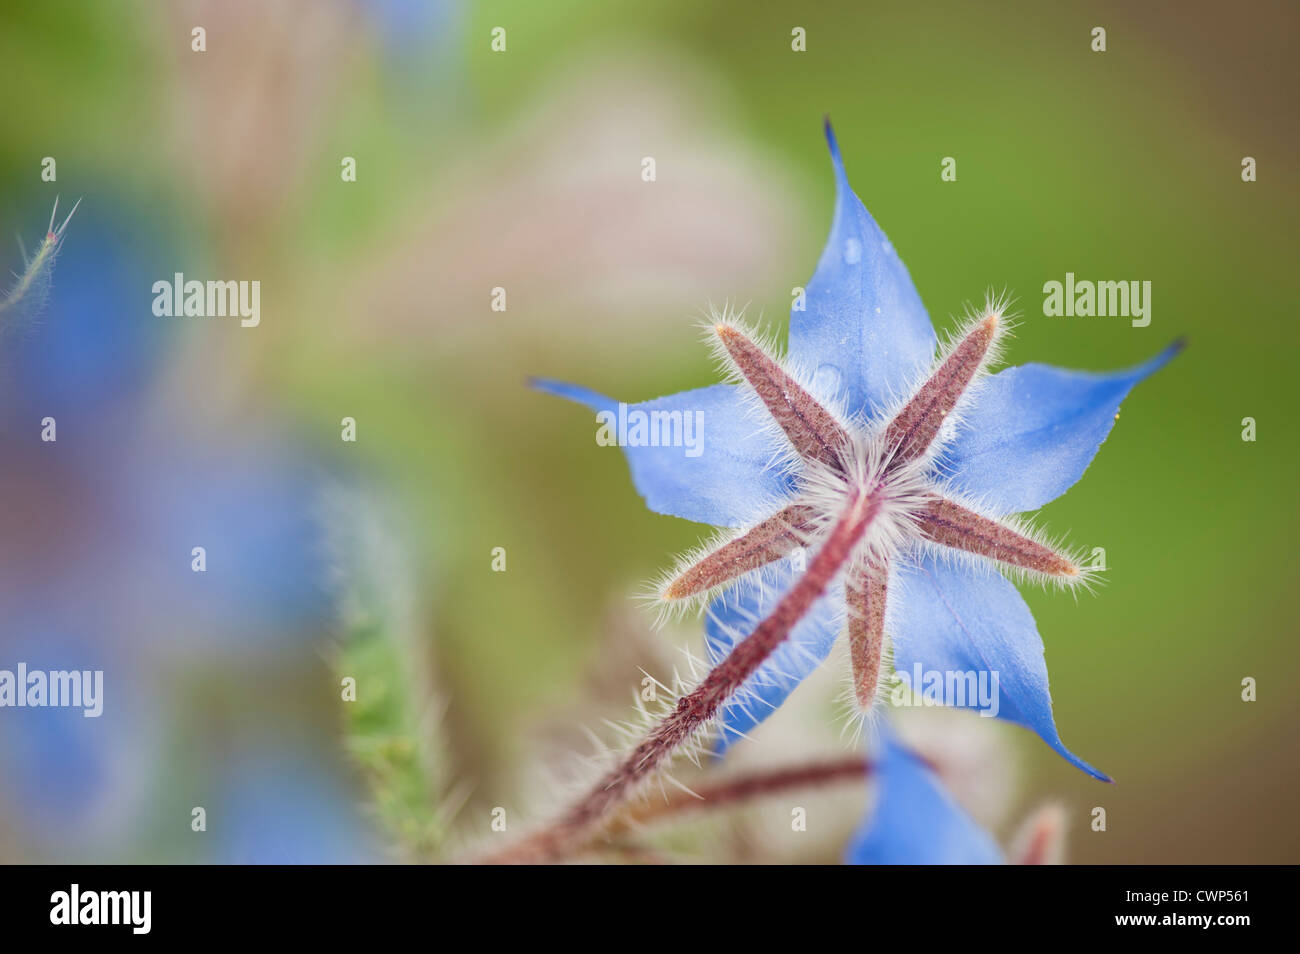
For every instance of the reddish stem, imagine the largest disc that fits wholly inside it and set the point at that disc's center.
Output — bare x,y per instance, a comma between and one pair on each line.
697,708
745,787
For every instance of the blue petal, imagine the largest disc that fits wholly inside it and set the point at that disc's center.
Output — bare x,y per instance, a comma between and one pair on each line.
735,614
864,332
731,482
1033,430
955,618
915,821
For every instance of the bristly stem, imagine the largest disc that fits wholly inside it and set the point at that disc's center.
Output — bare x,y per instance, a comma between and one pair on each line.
744,788
721,795
697,708
29,292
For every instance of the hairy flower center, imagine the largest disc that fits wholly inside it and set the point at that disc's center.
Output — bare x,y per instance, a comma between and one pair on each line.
866,468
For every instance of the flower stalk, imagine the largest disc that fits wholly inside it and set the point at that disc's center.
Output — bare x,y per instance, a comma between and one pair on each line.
696,709
745,788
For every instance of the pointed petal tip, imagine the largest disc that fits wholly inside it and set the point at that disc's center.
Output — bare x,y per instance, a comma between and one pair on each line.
570,392
1084,766
832,142
1053,739
545,385
1170,352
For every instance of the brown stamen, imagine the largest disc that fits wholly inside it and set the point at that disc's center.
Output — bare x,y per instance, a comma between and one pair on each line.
772,539
813,430
865,595
916,426
955,526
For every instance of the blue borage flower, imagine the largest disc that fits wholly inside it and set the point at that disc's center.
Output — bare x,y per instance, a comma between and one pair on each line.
912,465
914,820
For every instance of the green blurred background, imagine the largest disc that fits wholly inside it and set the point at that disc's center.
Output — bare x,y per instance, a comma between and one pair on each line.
522,170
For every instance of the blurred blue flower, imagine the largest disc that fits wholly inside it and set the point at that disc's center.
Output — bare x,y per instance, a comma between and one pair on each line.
130,488
275,809
914,820
97,534
420,37
74,780
94,344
